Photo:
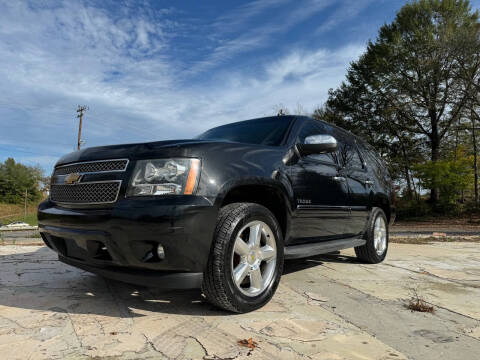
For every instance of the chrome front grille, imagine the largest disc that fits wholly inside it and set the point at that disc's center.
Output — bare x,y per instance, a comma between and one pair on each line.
75,183
92,167
86,193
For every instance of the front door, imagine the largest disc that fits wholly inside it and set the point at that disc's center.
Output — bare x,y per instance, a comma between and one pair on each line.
321,195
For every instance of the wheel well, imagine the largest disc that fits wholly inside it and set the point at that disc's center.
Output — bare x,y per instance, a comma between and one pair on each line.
384,205
266,196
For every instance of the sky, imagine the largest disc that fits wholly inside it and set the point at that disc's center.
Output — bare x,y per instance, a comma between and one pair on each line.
156,70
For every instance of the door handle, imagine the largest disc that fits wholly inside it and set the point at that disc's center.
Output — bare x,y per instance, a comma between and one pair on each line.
339,178
368,182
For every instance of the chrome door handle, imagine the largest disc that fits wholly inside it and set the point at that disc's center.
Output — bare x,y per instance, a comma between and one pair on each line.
339,178
368,182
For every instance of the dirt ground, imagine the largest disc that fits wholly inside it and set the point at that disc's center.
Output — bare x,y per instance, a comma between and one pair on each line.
329,307
439,224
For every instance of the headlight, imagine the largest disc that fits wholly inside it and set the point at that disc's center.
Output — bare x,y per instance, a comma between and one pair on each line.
164,177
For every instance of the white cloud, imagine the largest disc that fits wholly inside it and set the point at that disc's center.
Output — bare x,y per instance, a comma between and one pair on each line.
53,58
236,19
300,77
346,11
259,35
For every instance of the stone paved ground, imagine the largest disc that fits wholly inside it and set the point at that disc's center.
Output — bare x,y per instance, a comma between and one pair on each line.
325,308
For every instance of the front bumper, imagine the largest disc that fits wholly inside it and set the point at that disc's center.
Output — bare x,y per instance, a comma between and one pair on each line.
120,242
165,280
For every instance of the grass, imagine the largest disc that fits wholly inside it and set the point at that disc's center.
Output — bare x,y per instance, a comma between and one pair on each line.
13,212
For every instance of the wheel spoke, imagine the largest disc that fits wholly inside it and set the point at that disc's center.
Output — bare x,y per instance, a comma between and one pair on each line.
256,280
241,248
380,236
267,253
255,235
253,257
384,243
240,272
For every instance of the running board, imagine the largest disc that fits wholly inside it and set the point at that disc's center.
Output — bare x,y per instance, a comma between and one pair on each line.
311,249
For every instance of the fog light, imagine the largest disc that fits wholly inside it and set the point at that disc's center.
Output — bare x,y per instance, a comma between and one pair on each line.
160,252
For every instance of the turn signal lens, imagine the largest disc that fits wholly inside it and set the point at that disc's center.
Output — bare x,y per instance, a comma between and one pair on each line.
192,176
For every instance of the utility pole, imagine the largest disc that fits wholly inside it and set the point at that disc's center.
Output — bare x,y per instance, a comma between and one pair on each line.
80,111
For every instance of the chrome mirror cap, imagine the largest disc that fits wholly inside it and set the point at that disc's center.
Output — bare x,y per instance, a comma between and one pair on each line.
318,144
321,140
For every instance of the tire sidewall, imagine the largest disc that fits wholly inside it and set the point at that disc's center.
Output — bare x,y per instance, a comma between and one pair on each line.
377,212
244,302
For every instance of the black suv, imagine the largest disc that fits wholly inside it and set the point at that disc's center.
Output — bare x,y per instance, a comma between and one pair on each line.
221,211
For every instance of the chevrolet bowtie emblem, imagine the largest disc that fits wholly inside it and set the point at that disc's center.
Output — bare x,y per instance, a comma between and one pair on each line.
73,178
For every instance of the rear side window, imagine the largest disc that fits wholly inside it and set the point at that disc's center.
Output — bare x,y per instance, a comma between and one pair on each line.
369,153
316,128
349,156
374,161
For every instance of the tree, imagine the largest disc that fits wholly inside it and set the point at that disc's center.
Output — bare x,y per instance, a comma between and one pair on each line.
469,71
452,176
408,83
281,110
15,178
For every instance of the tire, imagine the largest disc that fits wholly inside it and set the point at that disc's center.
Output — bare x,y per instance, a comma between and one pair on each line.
369,253
219,286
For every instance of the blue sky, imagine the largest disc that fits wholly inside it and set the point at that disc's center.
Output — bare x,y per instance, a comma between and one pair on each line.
155,70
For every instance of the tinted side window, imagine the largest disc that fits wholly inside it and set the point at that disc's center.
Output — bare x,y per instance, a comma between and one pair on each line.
370,155
349,156
375,163
316,128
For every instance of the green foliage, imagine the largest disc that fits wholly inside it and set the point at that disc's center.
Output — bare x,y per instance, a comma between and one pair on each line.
412,86
412,208
451,176
15,178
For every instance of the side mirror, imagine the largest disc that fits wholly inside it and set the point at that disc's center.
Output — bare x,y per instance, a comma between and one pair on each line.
318,144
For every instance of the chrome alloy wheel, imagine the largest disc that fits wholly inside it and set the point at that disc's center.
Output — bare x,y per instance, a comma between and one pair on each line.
254,258
380,236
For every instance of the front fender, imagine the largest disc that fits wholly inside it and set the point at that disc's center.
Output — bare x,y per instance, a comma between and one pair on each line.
279,183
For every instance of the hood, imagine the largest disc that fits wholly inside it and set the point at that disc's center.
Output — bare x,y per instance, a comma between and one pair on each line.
128,151
174,148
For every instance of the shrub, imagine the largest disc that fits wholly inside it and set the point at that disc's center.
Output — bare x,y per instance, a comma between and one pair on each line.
412,208
15,178
451,177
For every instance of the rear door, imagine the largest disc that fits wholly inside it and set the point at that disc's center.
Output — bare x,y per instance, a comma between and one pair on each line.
359,185
322,209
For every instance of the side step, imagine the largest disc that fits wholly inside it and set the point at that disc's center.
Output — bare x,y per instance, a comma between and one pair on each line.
306,250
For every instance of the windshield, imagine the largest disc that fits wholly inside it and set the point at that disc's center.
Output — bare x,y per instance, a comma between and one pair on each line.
266,131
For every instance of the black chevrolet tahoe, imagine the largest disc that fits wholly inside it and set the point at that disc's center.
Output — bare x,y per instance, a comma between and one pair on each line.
221,211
